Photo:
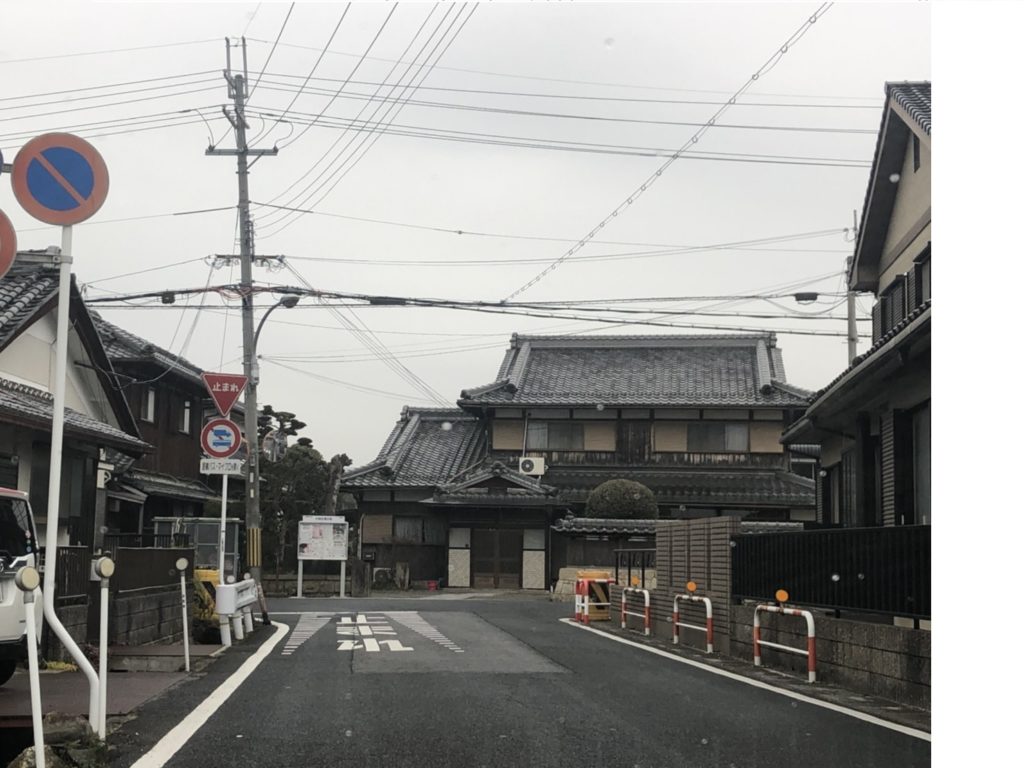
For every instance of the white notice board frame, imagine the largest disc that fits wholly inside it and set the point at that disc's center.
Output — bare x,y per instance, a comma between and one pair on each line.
322,537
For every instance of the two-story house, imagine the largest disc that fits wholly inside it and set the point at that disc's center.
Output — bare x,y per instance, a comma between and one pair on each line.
167,395
873,421
697,419
100,433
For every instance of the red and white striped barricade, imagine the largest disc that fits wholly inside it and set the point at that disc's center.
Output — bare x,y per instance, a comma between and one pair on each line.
708,628
645,615
810,653
592,606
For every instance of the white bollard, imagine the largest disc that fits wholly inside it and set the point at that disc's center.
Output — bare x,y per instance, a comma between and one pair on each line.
104,569
27,580
236,622
247,618
225,631
181,565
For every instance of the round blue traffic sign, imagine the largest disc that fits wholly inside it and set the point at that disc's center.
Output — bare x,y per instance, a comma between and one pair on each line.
59,179
220,438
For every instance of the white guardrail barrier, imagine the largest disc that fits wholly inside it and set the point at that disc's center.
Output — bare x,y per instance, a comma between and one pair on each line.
810,653
234,601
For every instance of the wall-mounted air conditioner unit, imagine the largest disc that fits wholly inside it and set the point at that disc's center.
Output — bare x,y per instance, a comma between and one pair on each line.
531,465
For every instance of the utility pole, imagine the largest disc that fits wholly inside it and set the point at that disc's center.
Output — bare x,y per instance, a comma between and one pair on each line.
851,302
238,90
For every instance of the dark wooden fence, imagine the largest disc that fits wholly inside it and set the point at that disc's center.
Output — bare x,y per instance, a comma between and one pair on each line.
146,568
870,570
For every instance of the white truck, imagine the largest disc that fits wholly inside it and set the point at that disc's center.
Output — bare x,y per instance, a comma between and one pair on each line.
18,547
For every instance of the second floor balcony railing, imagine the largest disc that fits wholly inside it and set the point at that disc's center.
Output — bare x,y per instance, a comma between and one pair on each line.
654,459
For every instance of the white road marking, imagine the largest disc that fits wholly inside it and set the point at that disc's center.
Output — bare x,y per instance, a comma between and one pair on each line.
308,625
906,730
179,735
412,620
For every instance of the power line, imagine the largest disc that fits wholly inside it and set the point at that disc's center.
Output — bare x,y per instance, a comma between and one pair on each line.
103,87
287,88
527,142
580,97
390,114
346,81
764,69
111,50
316,64
351,385
111,104
272,49
373,343
140,218
632,86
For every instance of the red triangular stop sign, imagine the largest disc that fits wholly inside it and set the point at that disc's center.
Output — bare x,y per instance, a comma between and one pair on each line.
225,388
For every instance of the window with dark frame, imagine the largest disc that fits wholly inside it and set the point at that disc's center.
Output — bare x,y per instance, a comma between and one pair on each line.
554,436
148,411
917,153
186,417
718,438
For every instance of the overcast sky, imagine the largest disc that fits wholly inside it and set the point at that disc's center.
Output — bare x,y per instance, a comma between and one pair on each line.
658,70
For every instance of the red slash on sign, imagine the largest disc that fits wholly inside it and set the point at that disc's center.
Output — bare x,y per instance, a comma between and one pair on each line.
60,179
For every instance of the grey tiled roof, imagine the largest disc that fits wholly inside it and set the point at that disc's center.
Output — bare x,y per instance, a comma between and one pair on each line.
673,371
916,99
421,451
694,487
22,291
155,484
124,346
922,311
21,403
605,525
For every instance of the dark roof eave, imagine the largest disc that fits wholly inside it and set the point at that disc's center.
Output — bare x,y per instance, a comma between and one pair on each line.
852,375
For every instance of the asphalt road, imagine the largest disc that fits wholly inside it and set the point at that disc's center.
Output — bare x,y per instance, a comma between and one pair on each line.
430,683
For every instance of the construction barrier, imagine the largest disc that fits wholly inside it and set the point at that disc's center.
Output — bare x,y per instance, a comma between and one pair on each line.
592,599
708,627
810,653
646,615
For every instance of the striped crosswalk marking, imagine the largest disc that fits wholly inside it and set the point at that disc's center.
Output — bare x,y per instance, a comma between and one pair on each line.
412,620
309,624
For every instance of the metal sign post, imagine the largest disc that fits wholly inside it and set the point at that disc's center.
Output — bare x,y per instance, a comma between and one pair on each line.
223,467
61,179
323,537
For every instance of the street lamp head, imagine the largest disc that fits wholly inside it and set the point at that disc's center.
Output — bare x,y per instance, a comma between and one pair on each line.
289,301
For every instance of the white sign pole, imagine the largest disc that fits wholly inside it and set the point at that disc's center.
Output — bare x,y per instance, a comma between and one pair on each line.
60,373
300,579
342,594
223,523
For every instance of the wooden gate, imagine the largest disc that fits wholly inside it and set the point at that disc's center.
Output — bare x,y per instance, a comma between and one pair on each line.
496,559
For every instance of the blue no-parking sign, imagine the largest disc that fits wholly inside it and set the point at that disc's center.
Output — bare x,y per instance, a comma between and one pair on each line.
59,179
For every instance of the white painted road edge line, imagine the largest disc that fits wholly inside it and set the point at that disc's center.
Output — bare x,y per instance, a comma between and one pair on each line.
914,732
177,737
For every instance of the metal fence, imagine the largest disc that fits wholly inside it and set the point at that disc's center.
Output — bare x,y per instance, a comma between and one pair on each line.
633,562
870,570
112,542
71,583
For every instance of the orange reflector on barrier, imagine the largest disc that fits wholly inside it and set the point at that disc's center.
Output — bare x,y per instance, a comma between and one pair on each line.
782,595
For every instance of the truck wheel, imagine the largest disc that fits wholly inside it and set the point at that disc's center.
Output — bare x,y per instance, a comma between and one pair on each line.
7,670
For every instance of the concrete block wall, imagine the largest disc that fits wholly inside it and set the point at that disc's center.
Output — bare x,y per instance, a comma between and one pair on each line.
879,659
75,619
147,616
